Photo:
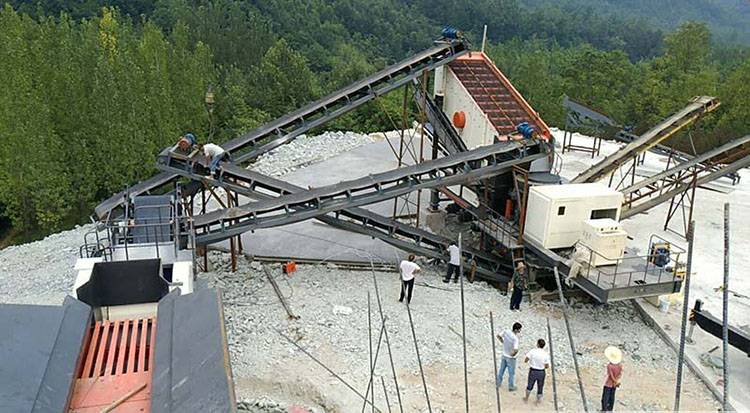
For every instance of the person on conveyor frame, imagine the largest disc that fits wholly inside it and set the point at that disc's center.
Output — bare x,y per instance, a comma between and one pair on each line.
214,155
408,270
453,263
516,285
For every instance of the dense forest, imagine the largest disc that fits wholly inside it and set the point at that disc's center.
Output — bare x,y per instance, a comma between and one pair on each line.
92,90
727,19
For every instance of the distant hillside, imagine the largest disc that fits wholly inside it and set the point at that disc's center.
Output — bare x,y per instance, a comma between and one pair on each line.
728,20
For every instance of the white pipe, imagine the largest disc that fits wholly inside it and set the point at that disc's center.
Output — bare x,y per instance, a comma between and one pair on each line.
484,38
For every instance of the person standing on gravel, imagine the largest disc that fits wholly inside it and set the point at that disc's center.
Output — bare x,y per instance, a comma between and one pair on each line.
454,263
614,374
538,360
509,338
408,269
517,284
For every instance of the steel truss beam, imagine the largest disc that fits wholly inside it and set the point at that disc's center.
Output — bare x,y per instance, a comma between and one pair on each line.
398,234
708,167
668,127
290,126
455,169
674,154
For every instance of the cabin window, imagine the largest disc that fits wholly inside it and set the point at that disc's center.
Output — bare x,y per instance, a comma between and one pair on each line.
561,210
604,213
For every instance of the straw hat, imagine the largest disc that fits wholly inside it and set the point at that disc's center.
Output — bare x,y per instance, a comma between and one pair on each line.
521,265
613,354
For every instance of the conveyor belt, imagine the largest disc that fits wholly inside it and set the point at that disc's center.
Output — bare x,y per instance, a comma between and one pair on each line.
452,170
671,188
290,126
400,235
448,139
714,157
578,112
697,107
676,155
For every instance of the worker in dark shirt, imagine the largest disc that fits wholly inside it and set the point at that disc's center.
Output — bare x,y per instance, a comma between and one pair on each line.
516,285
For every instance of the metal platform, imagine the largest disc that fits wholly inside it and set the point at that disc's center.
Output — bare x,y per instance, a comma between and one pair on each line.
632,276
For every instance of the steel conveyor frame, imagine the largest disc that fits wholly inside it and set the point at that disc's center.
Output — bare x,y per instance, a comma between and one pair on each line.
362,221
290,126
668,127
452,170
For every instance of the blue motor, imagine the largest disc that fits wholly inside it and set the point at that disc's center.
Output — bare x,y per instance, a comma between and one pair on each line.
451,33
525,129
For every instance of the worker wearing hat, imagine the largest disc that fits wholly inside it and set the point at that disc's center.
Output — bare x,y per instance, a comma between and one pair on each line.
516,285
614,373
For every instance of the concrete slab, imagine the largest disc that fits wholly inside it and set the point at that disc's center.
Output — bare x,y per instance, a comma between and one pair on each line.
315,240
668,326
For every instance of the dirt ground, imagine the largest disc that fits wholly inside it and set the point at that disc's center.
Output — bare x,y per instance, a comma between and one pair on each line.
267,366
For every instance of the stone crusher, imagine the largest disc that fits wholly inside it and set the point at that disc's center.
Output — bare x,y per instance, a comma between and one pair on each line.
136,334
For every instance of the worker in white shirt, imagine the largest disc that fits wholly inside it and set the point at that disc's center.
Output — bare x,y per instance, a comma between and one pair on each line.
453,264
509,338
538,360
214,154
408,269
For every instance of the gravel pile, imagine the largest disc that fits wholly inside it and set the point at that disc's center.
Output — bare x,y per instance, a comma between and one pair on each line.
307,150
41,272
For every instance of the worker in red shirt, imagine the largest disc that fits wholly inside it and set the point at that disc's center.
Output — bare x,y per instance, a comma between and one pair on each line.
614,374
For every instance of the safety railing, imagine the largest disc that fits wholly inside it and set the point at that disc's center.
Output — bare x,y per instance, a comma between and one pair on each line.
636,269
126,234
497,226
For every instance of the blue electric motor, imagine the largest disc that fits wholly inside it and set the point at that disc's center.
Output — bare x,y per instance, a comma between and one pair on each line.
525,129
451,33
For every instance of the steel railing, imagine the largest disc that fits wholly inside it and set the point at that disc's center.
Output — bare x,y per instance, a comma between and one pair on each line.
630,266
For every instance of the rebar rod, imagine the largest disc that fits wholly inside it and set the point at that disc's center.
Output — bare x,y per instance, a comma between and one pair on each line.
387,340
277,290
419,360
370,384
326,368
494,363
685,310
369,337
564,305
463,324
385,394
725,310
552,364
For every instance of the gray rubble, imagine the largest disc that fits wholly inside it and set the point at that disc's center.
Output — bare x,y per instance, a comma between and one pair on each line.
306,150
